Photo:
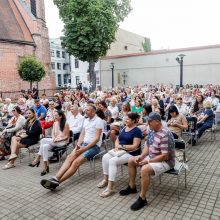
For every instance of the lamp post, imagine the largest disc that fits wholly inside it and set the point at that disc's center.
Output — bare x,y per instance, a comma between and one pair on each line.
124,76
179,59
112,68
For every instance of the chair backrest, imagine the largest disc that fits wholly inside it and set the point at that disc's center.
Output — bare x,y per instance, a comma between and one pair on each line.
192,122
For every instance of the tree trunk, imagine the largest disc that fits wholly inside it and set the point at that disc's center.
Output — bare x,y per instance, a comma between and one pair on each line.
31,85
92,75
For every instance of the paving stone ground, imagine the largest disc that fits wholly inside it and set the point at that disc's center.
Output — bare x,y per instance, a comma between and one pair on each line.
22,197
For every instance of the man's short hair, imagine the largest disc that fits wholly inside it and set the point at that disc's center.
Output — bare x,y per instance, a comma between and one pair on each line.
37,100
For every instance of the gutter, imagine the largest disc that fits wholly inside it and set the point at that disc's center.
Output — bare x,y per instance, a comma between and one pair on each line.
20,42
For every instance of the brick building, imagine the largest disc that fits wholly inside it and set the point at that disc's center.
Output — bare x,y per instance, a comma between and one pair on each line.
23,31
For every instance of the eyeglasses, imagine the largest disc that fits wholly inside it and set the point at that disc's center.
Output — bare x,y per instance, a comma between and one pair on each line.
179,99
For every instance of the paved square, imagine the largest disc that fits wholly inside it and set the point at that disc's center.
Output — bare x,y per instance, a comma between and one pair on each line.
22,197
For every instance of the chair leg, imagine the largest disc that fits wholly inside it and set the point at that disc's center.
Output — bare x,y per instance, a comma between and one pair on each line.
185,179
178,187
122,170
153,187
94,167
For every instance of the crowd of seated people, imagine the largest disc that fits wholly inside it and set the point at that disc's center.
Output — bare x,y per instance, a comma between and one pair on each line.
123,115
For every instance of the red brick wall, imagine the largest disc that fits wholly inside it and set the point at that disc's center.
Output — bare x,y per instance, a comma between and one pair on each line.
10,53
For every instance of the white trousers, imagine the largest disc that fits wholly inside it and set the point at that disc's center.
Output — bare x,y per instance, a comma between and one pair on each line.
110,164
47,144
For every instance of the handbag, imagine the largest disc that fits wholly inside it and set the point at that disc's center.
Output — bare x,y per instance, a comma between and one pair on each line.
21,134
117,153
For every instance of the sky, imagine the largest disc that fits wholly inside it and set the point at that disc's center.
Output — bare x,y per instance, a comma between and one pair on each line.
169,24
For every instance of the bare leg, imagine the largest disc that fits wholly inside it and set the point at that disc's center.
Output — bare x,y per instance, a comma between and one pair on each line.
37,159
113,136
16,150
132,171
110,185
73,168
146,173
14,142
66,165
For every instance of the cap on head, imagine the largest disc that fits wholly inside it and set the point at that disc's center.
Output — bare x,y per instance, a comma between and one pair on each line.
154,116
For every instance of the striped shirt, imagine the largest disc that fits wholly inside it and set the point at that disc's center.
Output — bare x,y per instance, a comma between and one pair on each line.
160,143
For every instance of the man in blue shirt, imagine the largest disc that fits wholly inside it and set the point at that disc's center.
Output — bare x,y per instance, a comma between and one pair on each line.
40,110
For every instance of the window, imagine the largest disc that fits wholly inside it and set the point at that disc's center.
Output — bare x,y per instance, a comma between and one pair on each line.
76,63
33,8
59,80
58,53
53,66
66,79
77,80
64,66
59,66
63,54
52,53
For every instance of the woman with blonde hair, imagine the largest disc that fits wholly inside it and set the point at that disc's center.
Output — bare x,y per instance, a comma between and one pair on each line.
113,108
205,120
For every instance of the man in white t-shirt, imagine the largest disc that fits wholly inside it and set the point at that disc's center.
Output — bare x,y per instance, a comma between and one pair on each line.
87,147
75,121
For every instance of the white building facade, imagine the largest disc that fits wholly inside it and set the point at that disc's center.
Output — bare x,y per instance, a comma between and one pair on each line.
60,63
201,65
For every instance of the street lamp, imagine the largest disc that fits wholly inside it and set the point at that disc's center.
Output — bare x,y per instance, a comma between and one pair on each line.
124,76
112,67
179,59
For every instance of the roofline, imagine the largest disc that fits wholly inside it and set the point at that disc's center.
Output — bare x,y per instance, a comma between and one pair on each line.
155,52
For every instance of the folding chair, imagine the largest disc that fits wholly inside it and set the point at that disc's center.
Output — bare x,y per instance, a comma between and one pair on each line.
60,150
179,165
191,131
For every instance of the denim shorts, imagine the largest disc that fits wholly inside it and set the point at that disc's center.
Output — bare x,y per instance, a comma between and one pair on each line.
89,154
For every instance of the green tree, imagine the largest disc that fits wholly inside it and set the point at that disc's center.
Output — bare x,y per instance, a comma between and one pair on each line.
90,27
31,70
146,44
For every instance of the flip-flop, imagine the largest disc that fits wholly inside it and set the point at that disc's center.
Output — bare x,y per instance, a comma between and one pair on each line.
107,193
102,184
12,157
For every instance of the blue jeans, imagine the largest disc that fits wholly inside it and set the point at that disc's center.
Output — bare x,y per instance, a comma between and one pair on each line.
201,127
89,154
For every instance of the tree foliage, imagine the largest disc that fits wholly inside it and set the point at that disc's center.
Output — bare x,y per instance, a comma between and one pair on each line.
31,70
90,27
146,44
